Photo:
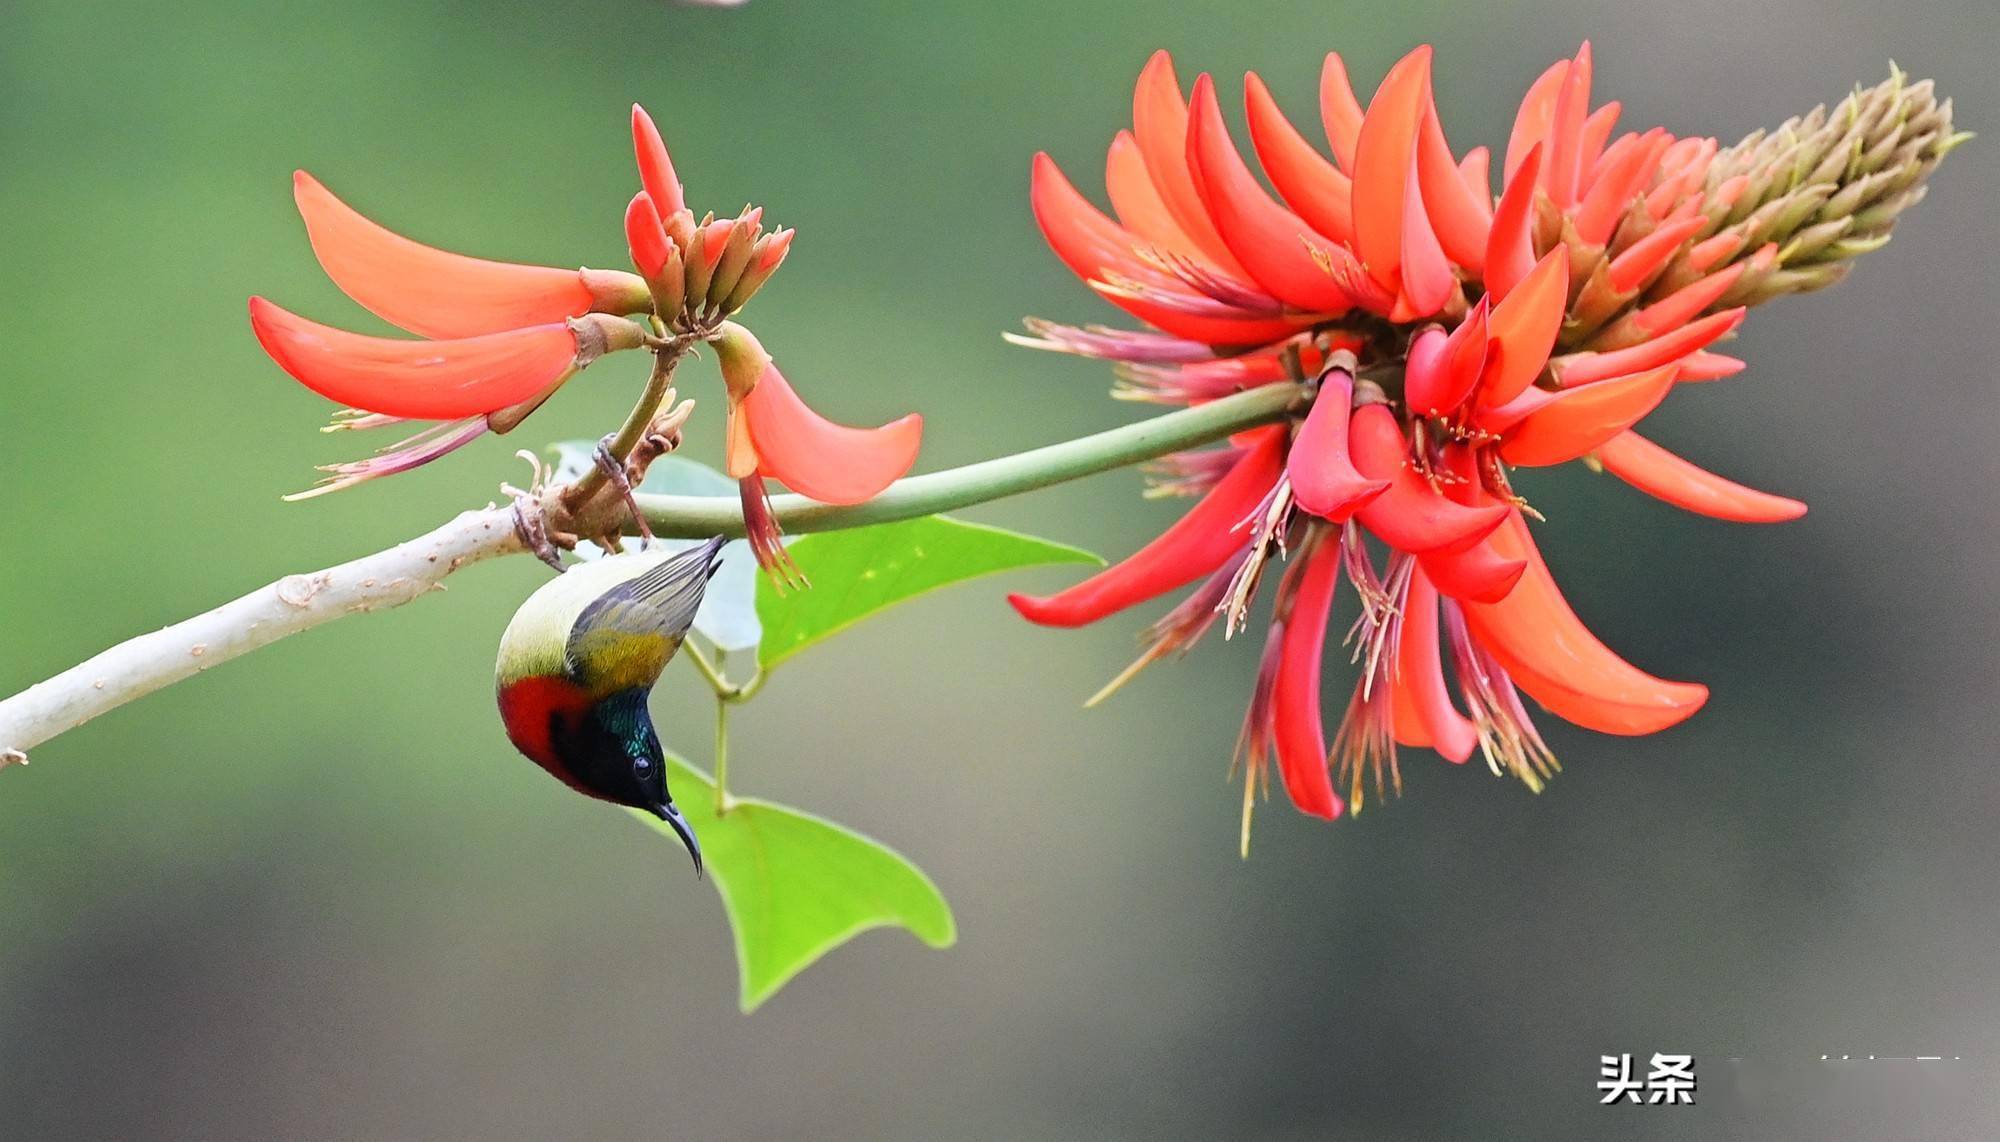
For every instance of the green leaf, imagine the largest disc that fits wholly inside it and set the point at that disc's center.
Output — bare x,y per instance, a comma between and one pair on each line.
859,572
796,886
728,614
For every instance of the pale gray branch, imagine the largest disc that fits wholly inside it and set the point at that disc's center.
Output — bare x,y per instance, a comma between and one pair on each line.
139,666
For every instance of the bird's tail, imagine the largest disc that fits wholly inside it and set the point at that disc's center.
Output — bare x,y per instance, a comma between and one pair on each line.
675,587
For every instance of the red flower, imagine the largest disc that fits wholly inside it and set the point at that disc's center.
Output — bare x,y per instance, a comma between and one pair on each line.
1454,334
502,338
771,433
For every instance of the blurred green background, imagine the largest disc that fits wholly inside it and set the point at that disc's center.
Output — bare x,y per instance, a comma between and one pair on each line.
313,894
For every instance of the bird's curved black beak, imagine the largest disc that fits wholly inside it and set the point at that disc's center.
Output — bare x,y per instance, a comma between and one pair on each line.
672,816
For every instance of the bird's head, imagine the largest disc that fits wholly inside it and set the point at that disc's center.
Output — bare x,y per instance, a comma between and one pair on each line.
613,753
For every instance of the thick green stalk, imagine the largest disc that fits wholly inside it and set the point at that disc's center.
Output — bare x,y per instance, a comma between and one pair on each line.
697,517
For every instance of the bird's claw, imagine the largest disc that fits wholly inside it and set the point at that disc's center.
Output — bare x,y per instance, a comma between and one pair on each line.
614,470
531,518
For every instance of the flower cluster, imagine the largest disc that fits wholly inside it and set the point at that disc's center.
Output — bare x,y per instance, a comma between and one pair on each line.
1448,334
498,339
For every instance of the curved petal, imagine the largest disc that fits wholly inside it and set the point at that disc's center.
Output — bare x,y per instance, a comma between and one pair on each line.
1626,167
821,460
1461,216
656,170
1272,243
1197,544
1160,124
1475,169
1597,128
1478,573
1579,420
1410,515
1510,241
1382,165
1589,368
1566,143
1523,329
1548,651
1648,256
1321,194
430,292
1137,201
421,380
645,236
1298,732
1465,355
1339,112
1531,121
1420,675
1428,280
1093,247
1323,478
1658,472
1425,385
1674,310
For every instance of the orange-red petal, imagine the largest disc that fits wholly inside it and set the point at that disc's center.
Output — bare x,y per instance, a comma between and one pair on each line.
1566,118
1548,651
1298,732
420,380
1196,545
1310,185
1382,165
656,170
1323,478
1523,329
1339,112
1624,170
1680,307
1160,125
645,236
1510,241
1137,201
821,460
1589,368
1659,473
430,292
1478,573
1460,215
1575,421
1272,243
1410,515
1428,279
1093,247
1531,121
1420,675
1648,256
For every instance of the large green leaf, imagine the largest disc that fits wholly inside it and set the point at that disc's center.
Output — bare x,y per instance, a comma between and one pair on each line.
796,886
859,572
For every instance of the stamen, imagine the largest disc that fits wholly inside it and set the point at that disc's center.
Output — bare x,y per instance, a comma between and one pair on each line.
1507,735
1178,631
1267,527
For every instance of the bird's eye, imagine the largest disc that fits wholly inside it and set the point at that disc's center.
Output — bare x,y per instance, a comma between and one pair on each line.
642,768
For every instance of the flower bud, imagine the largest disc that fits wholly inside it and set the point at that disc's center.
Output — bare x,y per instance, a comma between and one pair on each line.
734,258
765,257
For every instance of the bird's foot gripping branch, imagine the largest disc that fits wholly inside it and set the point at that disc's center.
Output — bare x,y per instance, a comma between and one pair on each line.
1373,352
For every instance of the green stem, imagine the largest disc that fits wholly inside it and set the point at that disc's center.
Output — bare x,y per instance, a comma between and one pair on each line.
707,670
697,517
721,755
628,435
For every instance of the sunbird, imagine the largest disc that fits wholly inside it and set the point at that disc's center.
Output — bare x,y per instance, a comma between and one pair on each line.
578,661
